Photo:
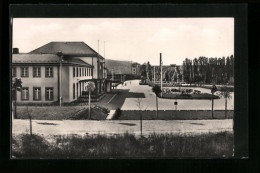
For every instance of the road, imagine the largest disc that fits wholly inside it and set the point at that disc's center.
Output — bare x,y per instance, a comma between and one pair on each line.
149,102
110,127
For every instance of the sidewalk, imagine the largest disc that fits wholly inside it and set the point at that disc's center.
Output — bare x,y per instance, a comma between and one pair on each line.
110,127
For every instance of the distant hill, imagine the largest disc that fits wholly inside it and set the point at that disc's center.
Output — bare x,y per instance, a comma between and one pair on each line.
120,67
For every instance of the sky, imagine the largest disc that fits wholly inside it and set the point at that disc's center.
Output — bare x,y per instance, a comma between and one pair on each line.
132,39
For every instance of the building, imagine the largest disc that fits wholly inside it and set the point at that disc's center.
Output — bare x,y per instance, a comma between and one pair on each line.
135,69
59,71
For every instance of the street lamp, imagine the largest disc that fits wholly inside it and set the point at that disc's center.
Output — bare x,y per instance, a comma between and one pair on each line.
60,54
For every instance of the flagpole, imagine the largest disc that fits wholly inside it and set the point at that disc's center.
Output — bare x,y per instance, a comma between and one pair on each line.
154,74
161,70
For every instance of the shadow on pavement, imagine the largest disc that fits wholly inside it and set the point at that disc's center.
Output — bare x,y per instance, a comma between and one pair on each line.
119,100
48,124
198,124
128,124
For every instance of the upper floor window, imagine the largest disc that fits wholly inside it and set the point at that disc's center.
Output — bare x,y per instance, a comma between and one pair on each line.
25,93
14,72
24,72
49,72
77,71
49,93
36,93
73,71
36,71
80,71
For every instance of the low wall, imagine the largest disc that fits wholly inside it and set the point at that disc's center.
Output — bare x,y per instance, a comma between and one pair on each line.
175,115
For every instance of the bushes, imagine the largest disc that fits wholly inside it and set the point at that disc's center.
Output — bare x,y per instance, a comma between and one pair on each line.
127,145
101,109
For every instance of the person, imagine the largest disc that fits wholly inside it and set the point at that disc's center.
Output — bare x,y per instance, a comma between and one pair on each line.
125,83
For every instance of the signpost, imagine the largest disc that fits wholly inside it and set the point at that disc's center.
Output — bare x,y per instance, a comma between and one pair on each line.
176,103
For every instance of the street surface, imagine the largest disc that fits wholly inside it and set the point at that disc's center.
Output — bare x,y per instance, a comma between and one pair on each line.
149,102
110,127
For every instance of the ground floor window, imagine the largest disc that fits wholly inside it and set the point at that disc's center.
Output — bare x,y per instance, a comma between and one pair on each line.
25,93
77,89
36,93
49,93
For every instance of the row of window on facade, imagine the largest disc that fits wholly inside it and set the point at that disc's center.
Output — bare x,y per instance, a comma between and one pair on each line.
77,72
81,71
37,94
36,71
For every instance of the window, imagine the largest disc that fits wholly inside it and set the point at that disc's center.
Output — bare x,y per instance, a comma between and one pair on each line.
14,72
36,71
49,72
48,93
73,71
80,71
74,92
85,71
36,93
25,93
24,72
77,71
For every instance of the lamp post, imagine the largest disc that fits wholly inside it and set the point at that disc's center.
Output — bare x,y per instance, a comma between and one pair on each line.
60,54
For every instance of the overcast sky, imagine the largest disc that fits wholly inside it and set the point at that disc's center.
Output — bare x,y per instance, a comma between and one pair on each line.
132,39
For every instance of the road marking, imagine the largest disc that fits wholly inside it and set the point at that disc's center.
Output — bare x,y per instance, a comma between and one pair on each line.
112,98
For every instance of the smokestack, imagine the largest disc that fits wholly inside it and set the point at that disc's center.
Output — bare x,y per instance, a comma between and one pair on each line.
15,50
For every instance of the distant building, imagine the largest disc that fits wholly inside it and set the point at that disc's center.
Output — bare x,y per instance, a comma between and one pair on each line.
59,71
135,69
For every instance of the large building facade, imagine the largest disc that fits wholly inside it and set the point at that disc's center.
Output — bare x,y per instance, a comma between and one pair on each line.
59,71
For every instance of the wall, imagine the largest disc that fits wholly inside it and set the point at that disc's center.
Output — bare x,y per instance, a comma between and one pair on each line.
174,115
38,82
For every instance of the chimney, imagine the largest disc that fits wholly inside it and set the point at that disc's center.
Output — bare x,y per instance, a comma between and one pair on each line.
15,50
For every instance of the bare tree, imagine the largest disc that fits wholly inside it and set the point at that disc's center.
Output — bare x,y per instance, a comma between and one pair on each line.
16,86
140,108
29,113
226,93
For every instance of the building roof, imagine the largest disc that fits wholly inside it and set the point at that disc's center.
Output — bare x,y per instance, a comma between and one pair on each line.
67,48
45,59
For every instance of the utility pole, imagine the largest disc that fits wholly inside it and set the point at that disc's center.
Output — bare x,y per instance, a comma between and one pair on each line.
60,77
154,74
161,70
104,59
98,68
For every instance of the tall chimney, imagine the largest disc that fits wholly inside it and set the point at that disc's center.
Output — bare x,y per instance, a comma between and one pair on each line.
15,50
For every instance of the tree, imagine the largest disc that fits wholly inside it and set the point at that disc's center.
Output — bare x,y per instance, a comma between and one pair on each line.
157,90
16,86
90,87
226,93
213,90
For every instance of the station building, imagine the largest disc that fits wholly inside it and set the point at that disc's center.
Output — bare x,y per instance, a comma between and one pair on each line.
59,71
